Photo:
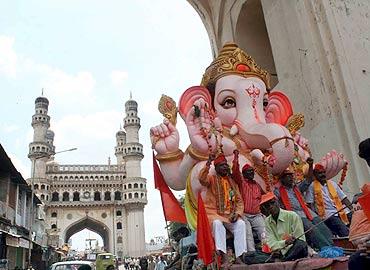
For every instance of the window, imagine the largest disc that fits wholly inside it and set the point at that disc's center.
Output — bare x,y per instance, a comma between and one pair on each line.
42,197
118,213
117,196
65,197
136,185
107,196
136,195
97,196
130,195
42,186
129,186
119,239
119,225
54,214
141,185
36,186
76,196
54,226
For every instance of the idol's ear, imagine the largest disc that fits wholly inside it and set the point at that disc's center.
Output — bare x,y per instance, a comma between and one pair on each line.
189,97
279,108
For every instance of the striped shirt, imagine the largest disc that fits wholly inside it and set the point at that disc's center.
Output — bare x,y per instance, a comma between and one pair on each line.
251,191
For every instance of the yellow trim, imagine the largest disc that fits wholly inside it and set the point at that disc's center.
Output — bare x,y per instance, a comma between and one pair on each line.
191,206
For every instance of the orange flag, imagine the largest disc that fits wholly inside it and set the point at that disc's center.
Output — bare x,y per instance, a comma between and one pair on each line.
171,208
205,243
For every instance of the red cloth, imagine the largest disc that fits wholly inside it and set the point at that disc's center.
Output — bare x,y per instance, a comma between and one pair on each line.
171,207
220,159
205,243
318,167
286,201
246,167
364,201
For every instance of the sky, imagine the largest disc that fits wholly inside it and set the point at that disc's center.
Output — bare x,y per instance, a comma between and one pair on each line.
88,55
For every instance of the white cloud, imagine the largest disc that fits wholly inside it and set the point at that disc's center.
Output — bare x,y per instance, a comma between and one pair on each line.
61,86
58,84
8,57
118,77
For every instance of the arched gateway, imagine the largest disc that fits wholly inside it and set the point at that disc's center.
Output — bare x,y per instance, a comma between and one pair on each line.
108,199
91,224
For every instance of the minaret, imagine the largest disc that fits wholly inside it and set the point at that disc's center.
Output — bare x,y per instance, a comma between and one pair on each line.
135,195
41,148
121,141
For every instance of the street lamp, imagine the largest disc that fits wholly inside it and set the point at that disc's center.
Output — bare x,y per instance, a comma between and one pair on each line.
32,194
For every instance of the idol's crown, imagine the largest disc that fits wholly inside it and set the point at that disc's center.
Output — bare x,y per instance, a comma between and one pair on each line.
233,60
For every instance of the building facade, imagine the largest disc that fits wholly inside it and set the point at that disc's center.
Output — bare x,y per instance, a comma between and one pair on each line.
16,219
318,53
108,199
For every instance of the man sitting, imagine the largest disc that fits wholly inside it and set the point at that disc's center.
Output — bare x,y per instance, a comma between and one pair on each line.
291,198
224,207
285,234
326,197
251,192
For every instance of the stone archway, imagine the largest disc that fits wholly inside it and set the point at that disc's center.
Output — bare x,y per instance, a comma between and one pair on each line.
91,224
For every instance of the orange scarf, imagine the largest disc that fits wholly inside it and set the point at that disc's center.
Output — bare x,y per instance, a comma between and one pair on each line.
319,199
226,195
285,199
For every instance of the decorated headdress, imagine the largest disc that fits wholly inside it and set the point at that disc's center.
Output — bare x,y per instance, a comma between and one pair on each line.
220,159
233,60
246,167
319,168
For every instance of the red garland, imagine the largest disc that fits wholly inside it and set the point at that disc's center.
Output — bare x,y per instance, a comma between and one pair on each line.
343,176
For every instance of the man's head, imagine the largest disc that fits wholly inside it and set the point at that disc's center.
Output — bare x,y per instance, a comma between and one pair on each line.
364,150
180,233
286,178
320,173
248,172
269,205
221,166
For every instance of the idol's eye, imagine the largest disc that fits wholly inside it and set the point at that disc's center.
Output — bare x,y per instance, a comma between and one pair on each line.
228,103
265,102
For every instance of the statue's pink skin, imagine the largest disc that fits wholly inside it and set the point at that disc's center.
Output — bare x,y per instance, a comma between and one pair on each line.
238,105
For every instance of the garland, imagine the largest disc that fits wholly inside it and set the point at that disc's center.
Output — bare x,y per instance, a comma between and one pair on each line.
343,176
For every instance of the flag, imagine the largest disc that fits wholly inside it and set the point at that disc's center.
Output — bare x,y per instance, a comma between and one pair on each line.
171,207
205,243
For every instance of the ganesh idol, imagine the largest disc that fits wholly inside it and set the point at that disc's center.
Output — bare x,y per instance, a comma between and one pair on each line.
233,108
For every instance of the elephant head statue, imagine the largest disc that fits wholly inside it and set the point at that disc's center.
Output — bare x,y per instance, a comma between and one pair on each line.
232,109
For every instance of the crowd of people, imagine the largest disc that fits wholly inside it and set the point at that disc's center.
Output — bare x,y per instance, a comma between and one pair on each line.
147,262
289,222
292,221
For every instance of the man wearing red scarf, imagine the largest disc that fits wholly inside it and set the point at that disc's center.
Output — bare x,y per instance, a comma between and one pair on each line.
291,198
224,207
326,198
